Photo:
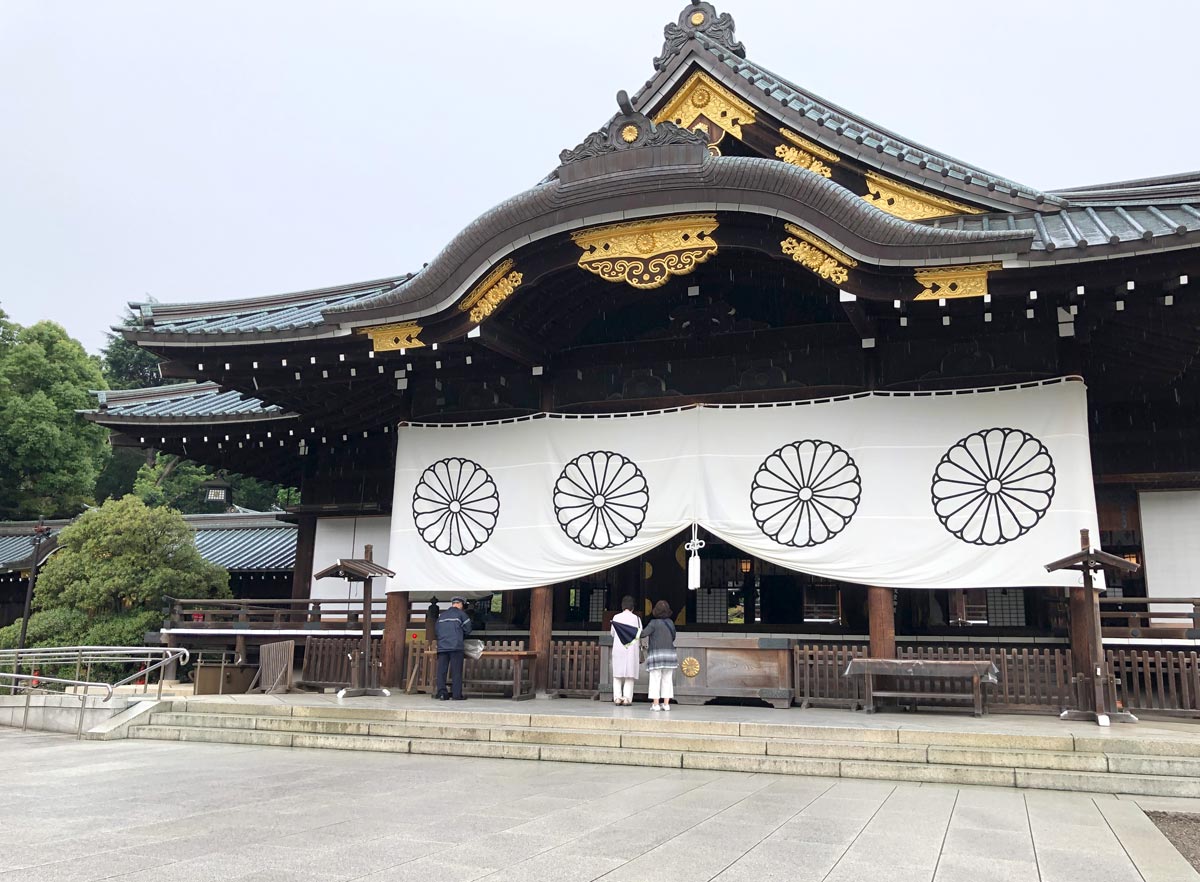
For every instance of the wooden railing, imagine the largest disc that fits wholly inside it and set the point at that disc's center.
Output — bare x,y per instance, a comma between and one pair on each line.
1133,617
422,666
261,615
1036,680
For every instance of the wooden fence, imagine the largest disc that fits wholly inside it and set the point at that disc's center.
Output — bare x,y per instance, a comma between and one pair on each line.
329,662
1155,681
1037,680
575,668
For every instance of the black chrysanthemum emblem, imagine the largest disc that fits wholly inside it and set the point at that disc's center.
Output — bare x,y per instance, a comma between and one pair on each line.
600,499
805,493
993,486
456,506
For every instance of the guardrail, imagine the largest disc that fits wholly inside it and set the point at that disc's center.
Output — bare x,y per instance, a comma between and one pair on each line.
85,658
1135,617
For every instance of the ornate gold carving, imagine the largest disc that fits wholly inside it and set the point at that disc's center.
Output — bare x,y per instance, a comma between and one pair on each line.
953,282
629,134
805,154
690,667
703,96
492,291
697,19
400,335
817,255
645,254
909,203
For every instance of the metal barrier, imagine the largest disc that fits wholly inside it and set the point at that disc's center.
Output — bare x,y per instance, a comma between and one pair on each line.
84,658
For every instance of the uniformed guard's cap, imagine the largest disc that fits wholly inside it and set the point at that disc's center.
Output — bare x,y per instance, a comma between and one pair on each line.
457,600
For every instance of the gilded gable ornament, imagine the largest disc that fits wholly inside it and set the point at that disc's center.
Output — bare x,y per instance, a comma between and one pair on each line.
703,98
954,282
628,130
909,203
495,288
646,254
817,256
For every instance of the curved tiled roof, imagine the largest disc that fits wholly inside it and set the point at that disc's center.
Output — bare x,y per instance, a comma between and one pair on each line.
284,312
1182,188
206,402
663,182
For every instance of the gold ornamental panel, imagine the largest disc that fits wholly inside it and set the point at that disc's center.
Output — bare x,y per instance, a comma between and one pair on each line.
703,96
817,255
690,667
953,282
805,154
495,288
400,335
909,203
646,254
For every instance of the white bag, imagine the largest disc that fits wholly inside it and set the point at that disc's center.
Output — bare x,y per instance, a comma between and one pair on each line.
473,648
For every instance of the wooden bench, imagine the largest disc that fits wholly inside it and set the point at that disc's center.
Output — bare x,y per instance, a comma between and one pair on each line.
518,657
978,672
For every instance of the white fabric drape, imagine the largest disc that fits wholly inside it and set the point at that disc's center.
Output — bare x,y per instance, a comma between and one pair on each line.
936,490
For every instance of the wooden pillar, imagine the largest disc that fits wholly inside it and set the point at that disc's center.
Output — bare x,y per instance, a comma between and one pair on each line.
306,542
541,629
1082,651
881,617
395,638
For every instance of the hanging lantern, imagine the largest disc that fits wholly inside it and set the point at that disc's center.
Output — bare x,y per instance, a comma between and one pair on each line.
693,568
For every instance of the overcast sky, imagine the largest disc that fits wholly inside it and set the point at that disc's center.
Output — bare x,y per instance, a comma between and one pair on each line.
220,149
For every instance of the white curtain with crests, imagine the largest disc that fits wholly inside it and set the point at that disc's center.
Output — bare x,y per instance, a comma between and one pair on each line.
978,488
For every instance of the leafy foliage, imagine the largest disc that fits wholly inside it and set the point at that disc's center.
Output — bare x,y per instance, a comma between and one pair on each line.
175,482
122,558
49,456
127,365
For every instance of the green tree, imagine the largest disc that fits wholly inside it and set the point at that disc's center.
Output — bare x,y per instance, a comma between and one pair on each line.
175,482
127,365
124,556
49,456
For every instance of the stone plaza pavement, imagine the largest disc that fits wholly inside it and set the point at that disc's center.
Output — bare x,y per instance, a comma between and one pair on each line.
144,811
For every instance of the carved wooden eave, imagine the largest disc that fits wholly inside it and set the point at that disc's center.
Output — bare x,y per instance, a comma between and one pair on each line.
910,203
955,282
491,292
646,254
817,256
805,154
398,335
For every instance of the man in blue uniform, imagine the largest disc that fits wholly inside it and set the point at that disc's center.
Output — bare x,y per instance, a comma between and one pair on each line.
452,627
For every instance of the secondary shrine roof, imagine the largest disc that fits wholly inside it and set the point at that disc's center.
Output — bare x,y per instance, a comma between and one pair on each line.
195,402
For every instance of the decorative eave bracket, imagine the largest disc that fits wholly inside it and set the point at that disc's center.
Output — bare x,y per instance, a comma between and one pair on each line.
817,255
955,282
646,254
909,203
398,335
491,292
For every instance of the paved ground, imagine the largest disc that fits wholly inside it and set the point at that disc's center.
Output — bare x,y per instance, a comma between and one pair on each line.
142,811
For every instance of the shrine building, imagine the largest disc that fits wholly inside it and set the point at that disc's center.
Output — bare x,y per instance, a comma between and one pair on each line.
883,387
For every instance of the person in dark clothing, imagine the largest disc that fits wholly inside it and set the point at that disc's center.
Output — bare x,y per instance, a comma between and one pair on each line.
452,627
661,660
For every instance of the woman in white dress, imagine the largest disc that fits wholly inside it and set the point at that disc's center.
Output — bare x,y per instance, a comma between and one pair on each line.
626,630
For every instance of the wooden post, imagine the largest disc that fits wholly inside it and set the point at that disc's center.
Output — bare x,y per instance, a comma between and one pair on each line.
1087,644
302,571
881,617
541,629
395,638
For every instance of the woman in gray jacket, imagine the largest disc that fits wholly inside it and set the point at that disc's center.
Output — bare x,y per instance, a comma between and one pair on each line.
661,660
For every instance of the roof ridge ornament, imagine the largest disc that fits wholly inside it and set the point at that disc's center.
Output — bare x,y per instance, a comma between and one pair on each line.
699,18
630,130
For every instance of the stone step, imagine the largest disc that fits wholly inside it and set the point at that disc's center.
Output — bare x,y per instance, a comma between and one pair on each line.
1148,775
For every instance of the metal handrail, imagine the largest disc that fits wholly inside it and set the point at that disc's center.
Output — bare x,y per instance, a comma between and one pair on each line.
88,655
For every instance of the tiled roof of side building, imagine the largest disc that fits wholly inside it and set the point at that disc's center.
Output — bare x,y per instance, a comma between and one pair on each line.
1116,228
241,542
1183,188
206,402
273,314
